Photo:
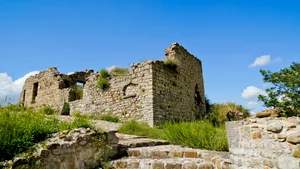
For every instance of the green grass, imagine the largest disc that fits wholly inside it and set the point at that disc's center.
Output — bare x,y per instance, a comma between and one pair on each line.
104,73
103,83
140,129
198,134
66,109
48,110
106,117
110,117
119,72
21,128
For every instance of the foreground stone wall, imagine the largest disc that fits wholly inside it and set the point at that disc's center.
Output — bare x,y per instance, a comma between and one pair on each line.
265,143
76,149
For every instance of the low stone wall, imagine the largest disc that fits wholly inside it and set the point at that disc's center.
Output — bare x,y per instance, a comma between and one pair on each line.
265,143
76,149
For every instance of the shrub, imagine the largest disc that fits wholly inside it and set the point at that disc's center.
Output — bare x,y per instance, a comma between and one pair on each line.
104,73
118,71
103,83
198,134
47,110
19,130
170,64
219,113
66,109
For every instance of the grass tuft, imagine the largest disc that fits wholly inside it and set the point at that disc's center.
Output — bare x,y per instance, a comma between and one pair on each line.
170,64
119,72
103,81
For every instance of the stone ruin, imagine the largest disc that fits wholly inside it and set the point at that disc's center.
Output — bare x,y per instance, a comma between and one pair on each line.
152,91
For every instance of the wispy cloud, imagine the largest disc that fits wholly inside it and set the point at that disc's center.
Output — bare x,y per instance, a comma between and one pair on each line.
265,60
261,61
252,92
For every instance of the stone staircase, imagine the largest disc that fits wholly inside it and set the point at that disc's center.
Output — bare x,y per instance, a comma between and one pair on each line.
145,153
138,152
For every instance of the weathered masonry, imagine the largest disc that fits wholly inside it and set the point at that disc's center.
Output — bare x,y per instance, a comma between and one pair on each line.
151,92
272,142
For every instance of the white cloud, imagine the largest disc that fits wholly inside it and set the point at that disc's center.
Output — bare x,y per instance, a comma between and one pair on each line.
252,92
10,89
251,105
70,73
261,61
111,68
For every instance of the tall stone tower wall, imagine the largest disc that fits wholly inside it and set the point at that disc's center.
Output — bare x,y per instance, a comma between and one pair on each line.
178,93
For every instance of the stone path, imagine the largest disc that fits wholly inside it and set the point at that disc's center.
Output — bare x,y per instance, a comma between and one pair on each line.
146,153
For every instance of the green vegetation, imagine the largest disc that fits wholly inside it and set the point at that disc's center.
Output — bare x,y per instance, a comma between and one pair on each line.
46,109
118,71
141,129
21,128
219,113
106,117
170,64
103,81
104,73
66,109
285,90
197,134
78,91
110,117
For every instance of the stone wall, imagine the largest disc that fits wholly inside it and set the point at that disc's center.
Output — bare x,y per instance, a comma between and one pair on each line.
265,143
129,96
178,93
49,87
152,91
76,149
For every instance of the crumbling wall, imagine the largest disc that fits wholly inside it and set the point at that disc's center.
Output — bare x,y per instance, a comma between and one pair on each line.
152,91
43,88
265,143
49,87
75,149
178,93
129,96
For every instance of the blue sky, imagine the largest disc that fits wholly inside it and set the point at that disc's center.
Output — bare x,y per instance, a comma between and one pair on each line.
75,35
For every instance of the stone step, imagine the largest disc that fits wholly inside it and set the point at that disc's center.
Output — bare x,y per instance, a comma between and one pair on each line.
131,141
170,163
171,151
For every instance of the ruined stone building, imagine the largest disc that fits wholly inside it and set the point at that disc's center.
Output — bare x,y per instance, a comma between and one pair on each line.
152,91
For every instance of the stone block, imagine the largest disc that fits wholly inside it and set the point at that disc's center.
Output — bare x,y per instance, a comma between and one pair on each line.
294,137
275,127
158,165
191,154
173,166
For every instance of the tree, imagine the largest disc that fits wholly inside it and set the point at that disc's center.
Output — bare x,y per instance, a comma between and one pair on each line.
284,94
